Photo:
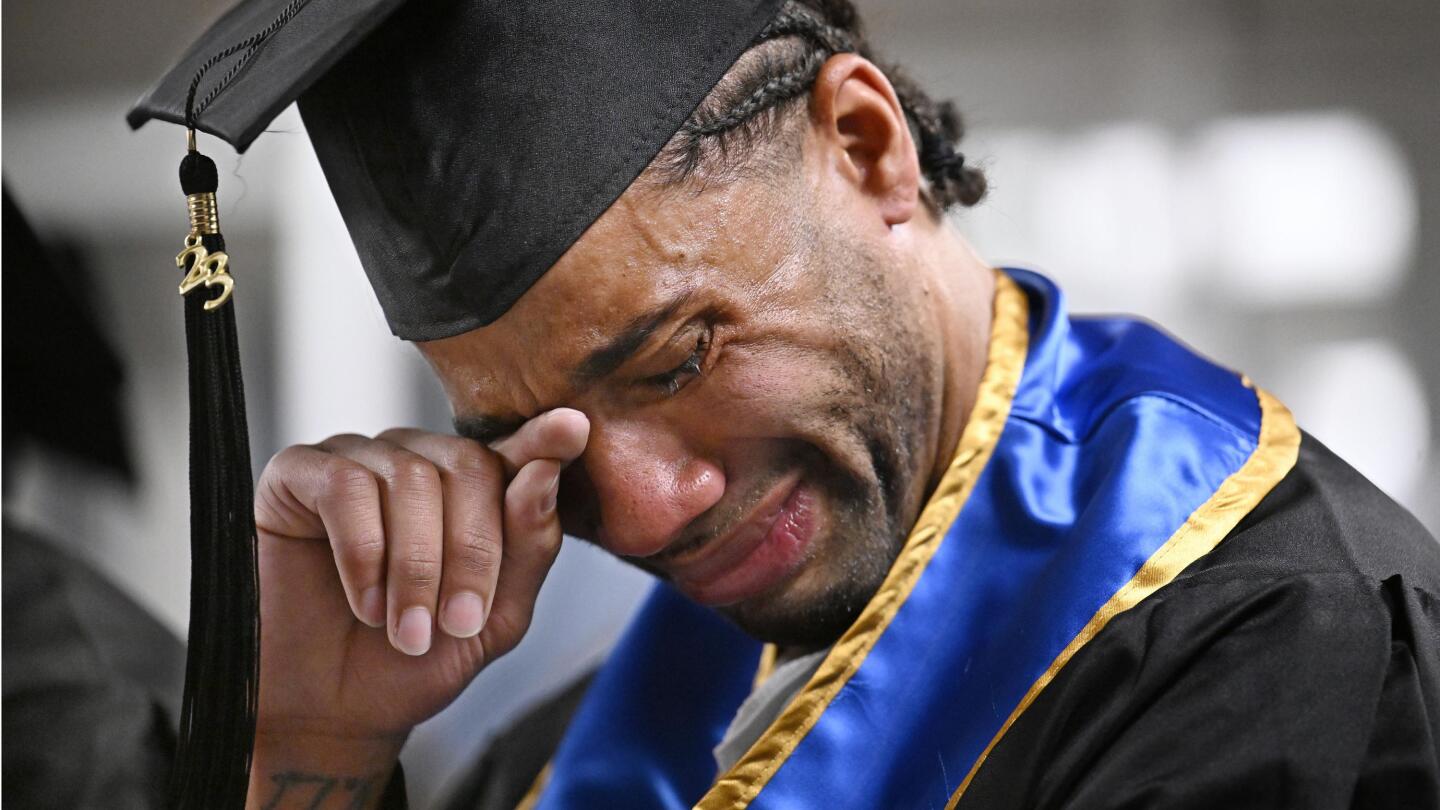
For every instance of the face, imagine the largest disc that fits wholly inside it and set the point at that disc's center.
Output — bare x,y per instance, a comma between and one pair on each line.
762,390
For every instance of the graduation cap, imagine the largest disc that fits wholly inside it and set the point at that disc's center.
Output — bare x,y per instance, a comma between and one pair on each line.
57,353
468,144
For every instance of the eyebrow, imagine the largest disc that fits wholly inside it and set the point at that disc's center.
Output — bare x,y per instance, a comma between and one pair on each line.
603,362
486,429
598,364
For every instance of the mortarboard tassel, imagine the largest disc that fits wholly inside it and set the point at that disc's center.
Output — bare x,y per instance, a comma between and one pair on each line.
222,668
222,673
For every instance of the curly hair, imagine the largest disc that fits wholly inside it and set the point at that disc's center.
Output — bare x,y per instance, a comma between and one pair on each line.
753,105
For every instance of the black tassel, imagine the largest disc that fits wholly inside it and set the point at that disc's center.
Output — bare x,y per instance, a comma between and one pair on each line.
222,674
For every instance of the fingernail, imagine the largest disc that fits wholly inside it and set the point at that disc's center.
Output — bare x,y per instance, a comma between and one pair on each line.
412,635
464,615
372,607
547,503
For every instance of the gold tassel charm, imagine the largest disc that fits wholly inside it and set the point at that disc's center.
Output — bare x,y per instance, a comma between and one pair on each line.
206,270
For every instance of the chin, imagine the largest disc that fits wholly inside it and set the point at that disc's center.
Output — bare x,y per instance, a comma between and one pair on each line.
813,609
847,564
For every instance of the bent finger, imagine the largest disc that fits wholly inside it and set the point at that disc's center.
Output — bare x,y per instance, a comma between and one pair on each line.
472,478
412,508
307,492
532,540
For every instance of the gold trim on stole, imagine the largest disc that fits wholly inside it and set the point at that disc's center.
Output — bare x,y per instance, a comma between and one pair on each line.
532,796
768,654
1272,459
1009,341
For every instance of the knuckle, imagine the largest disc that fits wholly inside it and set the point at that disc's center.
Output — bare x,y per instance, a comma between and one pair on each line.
547,546
542,549
363,548
286,456
413,473
347,481
268,516
338,441
522,504
480,555
419,567
284,462
478,487
394,435
470,458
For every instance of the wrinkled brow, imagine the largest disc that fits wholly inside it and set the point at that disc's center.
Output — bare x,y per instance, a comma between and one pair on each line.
603,361
598,364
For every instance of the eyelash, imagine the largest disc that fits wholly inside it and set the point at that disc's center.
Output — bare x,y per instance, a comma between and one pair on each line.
672,381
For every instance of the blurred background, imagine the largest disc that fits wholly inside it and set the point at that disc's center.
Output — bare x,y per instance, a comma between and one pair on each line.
1261,177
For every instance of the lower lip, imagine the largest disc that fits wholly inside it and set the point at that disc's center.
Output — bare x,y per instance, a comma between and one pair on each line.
772,561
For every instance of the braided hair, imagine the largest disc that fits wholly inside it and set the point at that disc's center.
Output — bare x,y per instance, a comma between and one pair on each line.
752,107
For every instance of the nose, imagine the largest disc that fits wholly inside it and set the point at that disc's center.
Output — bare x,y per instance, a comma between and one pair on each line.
648,484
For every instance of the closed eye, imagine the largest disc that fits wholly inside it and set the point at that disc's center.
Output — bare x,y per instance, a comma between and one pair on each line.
675,379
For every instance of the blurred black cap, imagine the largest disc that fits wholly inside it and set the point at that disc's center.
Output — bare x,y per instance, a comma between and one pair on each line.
62,377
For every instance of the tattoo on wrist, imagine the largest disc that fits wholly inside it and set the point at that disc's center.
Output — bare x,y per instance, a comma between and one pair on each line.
323,790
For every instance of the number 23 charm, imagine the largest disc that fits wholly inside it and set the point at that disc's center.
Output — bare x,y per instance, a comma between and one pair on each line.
206,269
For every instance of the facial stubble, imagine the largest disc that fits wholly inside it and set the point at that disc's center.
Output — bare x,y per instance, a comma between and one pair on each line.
886,405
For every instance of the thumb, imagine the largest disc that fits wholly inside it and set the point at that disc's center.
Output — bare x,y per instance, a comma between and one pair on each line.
559,435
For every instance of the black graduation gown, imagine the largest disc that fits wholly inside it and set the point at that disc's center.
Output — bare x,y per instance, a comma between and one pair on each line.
1296,666
92,686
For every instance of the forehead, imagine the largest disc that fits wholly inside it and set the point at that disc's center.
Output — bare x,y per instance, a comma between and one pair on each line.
650,249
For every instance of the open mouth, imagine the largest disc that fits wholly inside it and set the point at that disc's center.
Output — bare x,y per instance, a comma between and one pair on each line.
755,556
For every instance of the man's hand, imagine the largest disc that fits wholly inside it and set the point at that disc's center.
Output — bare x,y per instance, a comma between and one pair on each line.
392,570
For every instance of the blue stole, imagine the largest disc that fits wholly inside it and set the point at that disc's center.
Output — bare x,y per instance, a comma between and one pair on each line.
1101,459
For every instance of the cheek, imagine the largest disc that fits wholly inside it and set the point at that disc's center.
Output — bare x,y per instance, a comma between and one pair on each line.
793,391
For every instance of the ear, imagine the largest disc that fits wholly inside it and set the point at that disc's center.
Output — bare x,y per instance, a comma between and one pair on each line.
863,136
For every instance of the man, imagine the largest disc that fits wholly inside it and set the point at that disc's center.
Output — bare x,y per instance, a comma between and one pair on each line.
1002,558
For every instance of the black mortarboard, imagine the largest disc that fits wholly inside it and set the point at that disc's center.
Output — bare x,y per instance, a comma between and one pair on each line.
468,145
